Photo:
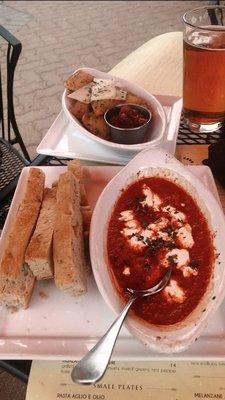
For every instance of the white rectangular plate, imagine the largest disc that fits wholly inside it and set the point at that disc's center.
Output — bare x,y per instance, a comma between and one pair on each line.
57,326
63,140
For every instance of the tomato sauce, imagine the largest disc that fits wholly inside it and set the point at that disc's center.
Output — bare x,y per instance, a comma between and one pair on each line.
145,266
128,117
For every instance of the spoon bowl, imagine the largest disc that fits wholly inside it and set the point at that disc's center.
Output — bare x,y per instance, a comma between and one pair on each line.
92,367
154,289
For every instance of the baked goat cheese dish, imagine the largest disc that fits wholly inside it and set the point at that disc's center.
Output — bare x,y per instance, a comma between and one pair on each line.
156,224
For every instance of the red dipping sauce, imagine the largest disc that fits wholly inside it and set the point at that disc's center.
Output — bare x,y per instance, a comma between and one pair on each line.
156,224
128,117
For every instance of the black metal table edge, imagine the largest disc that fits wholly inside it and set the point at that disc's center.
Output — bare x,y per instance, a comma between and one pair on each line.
18,368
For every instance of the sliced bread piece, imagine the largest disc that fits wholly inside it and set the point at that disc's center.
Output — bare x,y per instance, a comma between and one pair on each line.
39,251
79,79
83,195
86,212
78,170
68,241
16,293
81,173
23,225
16,279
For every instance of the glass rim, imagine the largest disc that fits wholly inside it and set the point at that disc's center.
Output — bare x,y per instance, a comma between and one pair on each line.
201,27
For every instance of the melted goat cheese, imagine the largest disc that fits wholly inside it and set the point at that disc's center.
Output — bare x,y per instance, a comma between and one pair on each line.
151,199
158,225
188,271
180,257
178,218
126,271
132,226
136,244
174,293
99,89
184,237
127,215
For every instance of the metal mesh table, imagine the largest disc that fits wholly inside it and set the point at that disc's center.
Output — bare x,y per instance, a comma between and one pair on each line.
10,169
185,136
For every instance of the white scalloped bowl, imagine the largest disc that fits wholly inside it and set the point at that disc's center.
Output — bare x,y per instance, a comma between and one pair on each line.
156,128
174,338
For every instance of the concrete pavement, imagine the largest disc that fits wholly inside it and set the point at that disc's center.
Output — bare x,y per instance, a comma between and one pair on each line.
59,36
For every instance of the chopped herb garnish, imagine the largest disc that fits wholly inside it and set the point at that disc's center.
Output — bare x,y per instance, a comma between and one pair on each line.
147,266
169,245
169,230
155,244
144,210
194,264
140,198
172,259
140,238
217,255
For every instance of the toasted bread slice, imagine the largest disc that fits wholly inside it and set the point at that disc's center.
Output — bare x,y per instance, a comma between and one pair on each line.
16,293
86,212
101,106
68,240
39,251
78,170
16,279
77,108
96,125
133,99
81,173
23,225
78,80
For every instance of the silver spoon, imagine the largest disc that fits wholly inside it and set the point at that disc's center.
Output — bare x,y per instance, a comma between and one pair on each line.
92,367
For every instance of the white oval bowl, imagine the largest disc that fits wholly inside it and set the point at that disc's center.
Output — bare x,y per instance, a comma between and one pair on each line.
174,338
158,122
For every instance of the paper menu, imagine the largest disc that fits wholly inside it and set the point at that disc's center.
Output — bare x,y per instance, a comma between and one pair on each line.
161,380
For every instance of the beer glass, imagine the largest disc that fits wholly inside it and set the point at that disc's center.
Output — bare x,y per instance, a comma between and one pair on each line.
204,68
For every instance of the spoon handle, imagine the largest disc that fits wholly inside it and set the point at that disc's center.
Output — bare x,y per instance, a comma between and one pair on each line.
92,367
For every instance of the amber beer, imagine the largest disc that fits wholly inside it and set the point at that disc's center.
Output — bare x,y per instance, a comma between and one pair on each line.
204,76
